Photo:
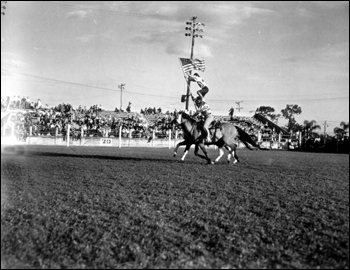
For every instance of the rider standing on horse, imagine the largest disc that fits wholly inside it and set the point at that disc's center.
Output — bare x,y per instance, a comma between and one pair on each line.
202,105
204,109
204,88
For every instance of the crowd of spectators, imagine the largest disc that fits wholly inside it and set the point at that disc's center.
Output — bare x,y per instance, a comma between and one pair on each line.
95,122
16,102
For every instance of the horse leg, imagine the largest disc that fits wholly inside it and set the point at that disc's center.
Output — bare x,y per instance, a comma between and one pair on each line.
177,147
232,152
235,155
201,145
186,151
221,153
220,144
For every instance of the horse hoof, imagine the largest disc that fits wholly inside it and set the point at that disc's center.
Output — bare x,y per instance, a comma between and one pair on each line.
235,161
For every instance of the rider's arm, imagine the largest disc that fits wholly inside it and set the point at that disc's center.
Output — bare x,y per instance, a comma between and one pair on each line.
200,110
191,78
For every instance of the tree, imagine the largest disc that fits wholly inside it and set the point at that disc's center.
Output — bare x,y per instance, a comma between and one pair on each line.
310,127
345,126
289,113
341,132
268,111
265,110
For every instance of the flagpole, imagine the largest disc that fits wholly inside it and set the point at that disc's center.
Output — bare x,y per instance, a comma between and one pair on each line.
190,72
188,89
188,83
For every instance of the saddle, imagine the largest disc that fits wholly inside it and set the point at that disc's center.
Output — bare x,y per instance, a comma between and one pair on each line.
215,124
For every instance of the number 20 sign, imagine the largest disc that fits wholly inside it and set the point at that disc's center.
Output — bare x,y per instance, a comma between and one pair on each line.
106,142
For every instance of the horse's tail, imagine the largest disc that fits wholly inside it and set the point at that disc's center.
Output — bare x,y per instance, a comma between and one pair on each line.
247,140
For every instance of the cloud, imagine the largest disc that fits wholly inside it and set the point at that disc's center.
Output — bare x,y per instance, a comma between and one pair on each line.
331,4
11,60
16,63
203,51
85,38
78,14
290,59
168,21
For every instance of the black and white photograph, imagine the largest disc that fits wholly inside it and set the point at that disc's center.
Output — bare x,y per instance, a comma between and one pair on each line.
174,134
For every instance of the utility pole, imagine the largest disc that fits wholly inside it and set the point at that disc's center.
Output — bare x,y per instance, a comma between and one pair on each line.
324,132
239,107
193,29
121,94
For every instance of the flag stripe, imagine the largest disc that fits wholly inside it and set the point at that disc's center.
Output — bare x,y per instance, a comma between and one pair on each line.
192,64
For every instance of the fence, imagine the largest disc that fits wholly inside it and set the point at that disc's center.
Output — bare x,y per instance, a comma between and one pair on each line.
280,141
126,137
120,138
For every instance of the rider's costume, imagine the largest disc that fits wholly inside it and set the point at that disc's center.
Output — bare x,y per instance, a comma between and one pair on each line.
204,88
204,109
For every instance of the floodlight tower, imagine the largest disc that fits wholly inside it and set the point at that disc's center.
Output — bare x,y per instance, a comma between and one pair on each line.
193,31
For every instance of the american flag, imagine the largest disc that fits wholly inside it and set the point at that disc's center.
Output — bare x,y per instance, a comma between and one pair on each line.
192,64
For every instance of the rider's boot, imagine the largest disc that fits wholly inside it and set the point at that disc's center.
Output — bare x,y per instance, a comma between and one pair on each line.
207,140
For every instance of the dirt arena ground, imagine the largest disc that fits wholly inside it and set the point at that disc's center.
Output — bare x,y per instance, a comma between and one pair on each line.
100,207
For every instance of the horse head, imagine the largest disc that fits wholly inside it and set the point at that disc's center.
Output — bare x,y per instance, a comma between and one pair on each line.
181,117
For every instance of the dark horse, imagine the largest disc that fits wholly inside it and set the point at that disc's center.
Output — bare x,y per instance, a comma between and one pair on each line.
192,132
224,135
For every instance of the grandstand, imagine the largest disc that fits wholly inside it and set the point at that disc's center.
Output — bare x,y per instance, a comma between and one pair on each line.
18,121
271,124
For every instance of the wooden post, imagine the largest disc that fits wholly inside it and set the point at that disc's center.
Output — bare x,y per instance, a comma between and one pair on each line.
120,136
67,135
81,135
56,135
30,134
169,133
12,129
176,135
259,136
279,139
153,135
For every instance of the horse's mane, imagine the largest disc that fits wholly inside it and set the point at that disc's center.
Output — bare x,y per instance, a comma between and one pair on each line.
188,117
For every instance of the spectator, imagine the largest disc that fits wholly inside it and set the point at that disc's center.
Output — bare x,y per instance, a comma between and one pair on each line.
128,109
38,104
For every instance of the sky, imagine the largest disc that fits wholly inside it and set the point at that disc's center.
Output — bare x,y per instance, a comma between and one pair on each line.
268,53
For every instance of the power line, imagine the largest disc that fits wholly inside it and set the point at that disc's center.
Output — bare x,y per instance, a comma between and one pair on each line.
82,85
153,95
239,108
288,100
116,12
